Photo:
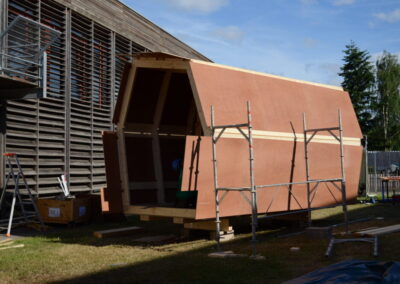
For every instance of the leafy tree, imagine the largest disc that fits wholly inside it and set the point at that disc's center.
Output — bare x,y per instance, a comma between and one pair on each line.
387,107
358,80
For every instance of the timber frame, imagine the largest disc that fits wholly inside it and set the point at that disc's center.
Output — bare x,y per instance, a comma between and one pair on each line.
172,64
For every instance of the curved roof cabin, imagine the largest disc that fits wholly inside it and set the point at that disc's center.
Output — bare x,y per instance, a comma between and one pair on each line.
162,147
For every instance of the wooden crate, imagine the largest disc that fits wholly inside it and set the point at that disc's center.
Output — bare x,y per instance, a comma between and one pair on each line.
76,210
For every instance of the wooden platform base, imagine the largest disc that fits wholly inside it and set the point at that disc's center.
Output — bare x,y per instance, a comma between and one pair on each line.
161,211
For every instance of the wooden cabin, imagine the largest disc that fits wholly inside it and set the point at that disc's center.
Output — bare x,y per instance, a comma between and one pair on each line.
159,159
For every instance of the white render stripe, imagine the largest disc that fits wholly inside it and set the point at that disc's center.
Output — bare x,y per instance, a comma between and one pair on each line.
289,136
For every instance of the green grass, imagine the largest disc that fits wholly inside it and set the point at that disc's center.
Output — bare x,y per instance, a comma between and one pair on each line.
74,255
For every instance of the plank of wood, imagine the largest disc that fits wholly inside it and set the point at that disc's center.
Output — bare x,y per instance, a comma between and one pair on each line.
14,246
380,231
158,170
162,211
116,232
123,166
6,243
6,240
225,254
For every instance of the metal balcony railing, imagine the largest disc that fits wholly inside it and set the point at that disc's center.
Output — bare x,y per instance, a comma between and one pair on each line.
22,52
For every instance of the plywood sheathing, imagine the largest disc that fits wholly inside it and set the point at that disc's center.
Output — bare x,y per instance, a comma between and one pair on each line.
272,165
277,102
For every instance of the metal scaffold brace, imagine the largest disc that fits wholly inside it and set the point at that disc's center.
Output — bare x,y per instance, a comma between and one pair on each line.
309,134
17,176
252,189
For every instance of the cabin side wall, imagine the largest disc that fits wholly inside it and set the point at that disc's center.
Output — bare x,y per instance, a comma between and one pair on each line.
275,162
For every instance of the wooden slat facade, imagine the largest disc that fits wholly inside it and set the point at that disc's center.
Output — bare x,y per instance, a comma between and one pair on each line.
61,134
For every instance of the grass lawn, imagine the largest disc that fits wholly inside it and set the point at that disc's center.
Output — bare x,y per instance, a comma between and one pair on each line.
74,255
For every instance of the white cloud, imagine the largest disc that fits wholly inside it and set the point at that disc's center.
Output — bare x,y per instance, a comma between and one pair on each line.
310,42
204,6
230,33
343,2
390,17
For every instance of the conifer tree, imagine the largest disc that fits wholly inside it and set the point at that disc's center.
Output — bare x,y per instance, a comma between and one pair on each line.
358,80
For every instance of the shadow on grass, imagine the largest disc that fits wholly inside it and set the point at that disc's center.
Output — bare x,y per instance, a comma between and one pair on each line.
186,264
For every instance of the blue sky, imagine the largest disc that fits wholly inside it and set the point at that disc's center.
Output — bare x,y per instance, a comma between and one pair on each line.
302,39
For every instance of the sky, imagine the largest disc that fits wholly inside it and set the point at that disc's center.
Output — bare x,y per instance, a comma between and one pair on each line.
301,39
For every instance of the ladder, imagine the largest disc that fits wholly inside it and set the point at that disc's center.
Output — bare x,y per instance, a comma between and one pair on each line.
25,216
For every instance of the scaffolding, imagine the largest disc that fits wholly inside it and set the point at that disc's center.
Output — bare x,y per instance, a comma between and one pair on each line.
312,184
252,188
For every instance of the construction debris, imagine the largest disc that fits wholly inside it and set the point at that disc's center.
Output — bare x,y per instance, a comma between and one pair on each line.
379,231
117,232
7,240
225,254
373,240
14,246
64,186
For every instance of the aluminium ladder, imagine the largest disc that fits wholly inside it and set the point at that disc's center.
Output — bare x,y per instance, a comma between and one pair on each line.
16,175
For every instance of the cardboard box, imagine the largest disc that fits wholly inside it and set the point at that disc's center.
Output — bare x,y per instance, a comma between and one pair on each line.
74,210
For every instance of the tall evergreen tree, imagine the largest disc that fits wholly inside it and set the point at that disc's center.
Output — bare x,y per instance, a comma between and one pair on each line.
387,107
358,80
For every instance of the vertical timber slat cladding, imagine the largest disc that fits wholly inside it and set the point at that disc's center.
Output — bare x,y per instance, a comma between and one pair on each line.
61,134
131,25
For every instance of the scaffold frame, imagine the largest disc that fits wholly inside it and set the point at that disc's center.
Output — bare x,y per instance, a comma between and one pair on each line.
309,134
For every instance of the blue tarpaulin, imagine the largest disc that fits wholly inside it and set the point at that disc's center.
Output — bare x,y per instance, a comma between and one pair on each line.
353,271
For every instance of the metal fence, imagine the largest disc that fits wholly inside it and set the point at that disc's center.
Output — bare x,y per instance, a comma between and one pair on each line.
381,164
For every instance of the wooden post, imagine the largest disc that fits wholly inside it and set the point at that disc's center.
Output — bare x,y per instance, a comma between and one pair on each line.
123,165
156,139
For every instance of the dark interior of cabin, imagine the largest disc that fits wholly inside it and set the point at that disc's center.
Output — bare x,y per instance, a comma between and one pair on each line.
162,112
